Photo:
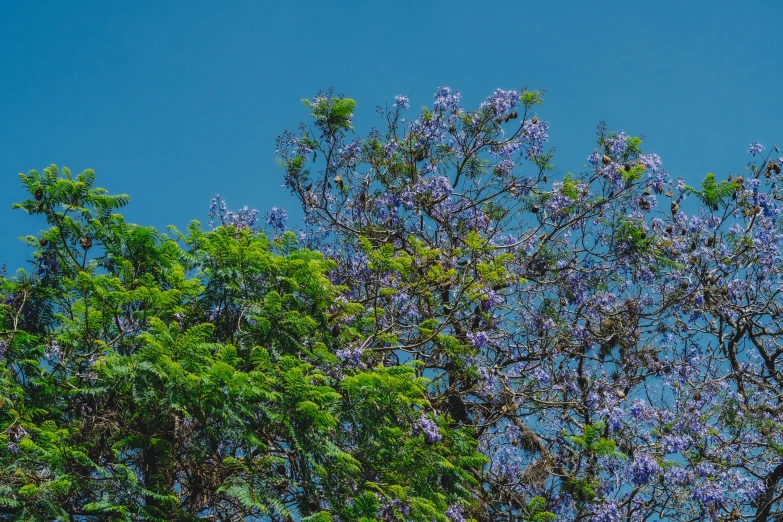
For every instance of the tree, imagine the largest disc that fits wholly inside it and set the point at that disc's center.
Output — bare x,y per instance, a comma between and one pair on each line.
615,356
194,376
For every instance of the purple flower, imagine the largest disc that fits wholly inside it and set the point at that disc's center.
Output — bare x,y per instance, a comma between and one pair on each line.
676,443
617,143
243,218
351,354
755,148
709,494
677,476
643,469
606,512
446,100
501,102
637,409
428,428
615,420
455,513
276,218
401,102
479,339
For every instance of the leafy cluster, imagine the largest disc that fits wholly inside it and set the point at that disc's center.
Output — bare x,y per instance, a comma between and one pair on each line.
193,376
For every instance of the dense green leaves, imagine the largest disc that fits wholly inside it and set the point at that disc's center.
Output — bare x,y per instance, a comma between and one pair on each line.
148,376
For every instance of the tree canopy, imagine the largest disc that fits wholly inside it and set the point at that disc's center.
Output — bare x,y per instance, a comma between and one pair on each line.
457,332
193,376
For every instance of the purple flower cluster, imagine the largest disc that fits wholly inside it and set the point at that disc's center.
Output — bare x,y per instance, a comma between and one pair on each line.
644,468
755,148
502,102
276,219
606,512
402,102
447,100
455,513
427,427
351,354
243,218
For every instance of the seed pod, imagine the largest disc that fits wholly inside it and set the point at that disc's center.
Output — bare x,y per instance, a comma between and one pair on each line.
452,128
606,160
514,442
534,120
339,181
647,192
499,120
675,207
696,395
643,235
776,168
44,241
739,180
684,285
534,209
724,291
85,242
39,194
544,179
710,241
606,324
669,229
669,193
620,393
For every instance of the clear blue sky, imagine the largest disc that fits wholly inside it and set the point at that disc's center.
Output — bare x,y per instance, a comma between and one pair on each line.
174,101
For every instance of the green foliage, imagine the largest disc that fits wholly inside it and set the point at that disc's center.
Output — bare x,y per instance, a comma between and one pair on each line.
633,174
712,193
172,377
536,511
592,442
334,113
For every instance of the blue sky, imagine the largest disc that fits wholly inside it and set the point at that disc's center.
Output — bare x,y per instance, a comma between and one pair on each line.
174,101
